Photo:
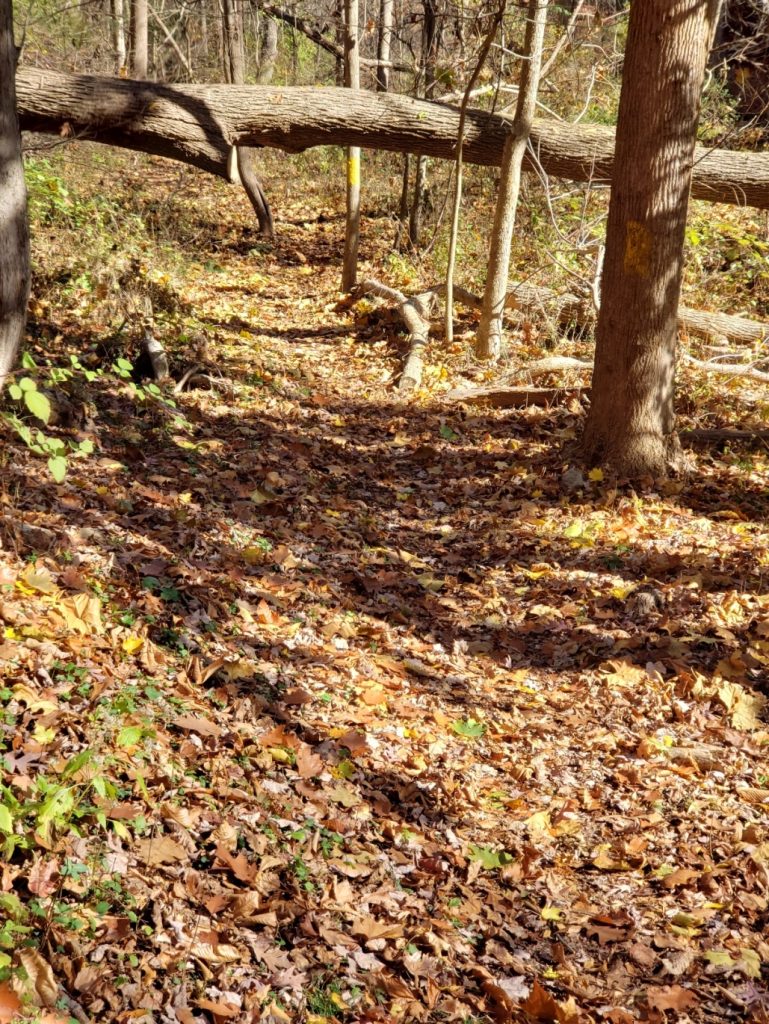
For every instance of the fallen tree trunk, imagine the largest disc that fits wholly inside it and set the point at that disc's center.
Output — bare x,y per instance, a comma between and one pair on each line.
198,123
567,309
515,398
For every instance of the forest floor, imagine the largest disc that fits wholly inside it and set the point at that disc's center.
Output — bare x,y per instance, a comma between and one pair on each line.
319,705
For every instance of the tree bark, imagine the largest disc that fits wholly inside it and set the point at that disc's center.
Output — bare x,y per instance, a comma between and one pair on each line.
384,42
14,238
631,424
269,52
351,81
118,35
140,38
198,123
488,342
246,171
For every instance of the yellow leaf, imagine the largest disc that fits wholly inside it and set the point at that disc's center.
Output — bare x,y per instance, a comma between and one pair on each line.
719,958
551,913
132,643
43,736
595,474
39,580
538,822
750,963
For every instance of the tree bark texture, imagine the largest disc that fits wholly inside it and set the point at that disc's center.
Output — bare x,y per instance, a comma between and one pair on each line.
351,81
14,238
140,38
269,51
488,342
631,424
198,123
384,41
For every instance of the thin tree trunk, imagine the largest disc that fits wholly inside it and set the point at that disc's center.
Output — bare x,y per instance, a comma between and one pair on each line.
339,20
140,34
352,81
418,201
233,28
269,53
383,45
449,319
427,75
403,207
631,424
488,342
14,238
118,35
242,167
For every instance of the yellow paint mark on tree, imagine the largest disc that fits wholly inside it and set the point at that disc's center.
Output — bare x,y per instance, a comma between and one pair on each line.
353,169
638,249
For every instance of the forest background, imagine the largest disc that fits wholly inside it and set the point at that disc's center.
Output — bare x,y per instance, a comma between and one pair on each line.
325,701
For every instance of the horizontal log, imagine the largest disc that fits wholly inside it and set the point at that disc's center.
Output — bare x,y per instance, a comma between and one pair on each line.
198,123
514,398
566,308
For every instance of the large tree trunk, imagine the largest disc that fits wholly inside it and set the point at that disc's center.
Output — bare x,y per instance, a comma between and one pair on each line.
198,123
631,424
14,240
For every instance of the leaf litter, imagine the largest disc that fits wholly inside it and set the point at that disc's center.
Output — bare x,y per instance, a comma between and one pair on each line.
318,706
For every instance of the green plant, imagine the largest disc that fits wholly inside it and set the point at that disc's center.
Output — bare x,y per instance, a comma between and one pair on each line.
28,398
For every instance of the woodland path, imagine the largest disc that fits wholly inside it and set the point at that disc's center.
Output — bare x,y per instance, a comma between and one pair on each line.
414,733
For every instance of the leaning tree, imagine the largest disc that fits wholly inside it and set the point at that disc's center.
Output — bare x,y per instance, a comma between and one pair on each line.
631,424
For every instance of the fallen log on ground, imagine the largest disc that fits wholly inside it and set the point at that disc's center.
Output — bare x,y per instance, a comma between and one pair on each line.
197,124
567,309
514,397
415,313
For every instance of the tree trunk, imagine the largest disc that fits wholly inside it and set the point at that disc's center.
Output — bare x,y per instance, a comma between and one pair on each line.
14,238
198,123
488,342
384,42
140,39
457,205
631,424
269,53
233,34
118,35
246,171
351,81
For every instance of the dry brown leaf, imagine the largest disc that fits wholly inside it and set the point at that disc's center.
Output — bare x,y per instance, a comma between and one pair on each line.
43,878
160,850
541,1005
39,986
671,997
308,764
202,726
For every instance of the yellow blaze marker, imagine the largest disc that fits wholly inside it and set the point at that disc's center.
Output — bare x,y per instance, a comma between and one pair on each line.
353,169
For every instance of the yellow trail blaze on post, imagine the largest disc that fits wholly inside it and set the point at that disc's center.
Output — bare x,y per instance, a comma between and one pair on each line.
353,169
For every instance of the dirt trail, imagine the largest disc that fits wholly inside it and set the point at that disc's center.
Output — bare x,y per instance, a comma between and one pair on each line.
397,727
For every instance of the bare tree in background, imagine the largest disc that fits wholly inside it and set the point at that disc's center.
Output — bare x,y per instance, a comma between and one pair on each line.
242,167
140,38
488,342
352,81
